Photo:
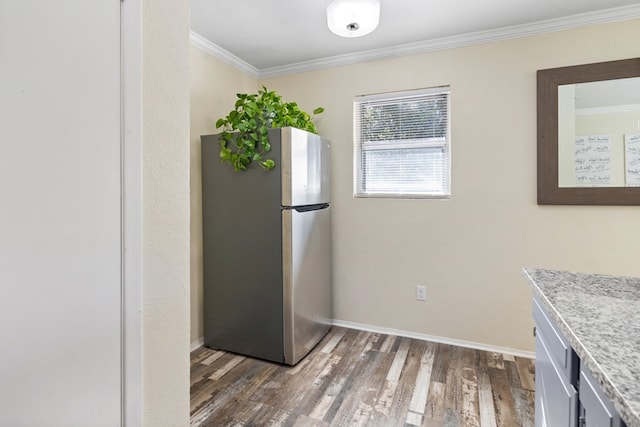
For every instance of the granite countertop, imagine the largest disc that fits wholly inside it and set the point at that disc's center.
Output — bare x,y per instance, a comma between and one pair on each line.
600,315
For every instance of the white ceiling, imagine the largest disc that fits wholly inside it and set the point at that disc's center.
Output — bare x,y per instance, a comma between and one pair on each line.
268,34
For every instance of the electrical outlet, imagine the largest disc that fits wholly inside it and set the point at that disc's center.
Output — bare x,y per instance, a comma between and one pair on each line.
421,293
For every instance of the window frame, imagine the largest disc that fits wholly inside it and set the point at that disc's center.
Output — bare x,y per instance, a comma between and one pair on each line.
419,143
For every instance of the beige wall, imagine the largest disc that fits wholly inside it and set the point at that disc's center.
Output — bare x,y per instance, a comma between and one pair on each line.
214,85
467,251
165,187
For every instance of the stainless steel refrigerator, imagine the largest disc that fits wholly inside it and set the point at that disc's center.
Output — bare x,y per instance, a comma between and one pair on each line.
267,249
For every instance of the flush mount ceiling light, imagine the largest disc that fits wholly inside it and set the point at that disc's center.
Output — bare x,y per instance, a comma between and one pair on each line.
353,18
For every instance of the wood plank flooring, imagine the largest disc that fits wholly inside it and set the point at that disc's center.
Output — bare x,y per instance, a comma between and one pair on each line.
358,378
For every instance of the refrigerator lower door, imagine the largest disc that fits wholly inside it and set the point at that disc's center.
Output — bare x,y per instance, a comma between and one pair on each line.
307,280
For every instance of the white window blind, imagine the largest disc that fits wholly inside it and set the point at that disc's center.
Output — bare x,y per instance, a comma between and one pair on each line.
402,146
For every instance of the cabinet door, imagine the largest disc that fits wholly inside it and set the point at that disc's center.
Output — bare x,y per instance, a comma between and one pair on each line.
596,409
556,397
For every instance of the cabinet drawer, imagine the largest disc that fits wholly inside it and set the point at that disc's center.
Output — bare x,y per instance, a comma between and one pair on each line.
557,344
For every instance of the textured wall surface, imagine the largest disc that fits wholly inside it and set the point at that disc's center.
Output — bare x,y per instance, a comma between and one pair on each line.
166,212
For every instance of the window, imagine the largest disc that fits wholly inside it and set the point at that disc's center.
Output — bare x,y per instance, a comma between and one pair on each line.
402,144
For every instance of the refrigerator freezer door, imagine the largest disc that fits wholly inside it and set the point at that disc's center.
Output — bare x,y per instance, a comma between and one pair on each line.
306,168
307,280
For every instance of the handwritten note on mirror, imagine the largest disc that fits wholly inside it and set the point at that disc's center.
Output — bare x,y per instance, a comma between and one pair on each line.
632,159
593,160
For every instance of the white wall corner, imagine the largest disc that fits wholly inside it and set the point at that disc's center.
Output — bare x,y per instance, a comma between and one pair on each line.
132,237
197,344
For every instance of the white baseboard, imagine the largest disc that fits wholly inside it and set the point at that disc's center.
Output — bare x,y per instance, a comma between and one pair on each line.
197,344
432,338
424,337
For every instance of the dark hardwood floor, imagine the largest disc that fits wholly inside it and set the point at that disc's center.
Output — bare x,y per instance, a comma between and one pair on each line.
357,378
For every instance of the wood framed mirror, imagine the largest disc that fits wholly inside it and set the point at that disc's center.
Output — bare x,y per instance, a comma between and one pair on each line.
610,174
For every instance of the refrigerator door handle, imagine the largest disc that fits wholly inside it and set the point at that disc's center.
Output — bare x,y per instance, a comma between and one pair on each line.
309,208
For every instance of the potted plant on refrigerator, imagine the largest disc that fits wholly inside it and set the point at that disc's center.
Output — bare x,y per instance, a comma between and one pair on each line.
244,137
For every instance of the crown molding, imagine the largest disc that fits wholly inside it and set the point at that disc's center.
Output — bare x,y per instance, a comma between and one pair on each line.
551,25
225,56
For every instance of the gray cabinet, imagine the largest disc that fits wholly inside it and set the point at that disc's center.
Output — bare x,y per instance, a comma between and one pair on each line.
566,392
556,401
596,410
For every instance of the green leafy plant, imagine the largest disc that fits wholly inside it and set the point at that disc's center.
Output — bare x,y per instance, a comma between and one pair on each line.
245,130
